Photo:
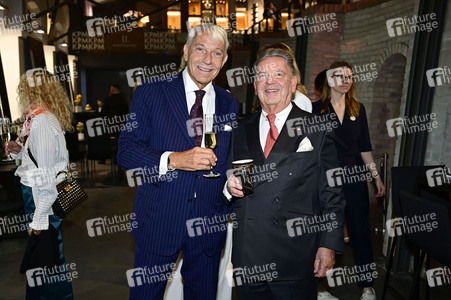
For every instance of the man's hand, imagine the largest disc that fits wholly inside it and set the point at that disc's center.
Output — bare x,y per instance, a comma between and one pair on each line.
193,159
36,232
12,147
234,187
324,261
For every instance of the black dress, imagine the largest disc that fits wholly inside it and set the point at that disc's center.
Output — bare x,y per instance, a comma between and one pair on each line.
351,138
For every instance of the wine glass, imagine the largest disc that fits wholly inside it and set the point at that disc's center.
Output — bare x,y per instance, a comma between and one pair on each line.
210,140
6,135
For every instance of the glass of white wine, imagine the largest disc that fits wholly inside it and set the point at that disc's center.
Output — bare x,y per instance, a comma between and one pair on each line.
6,135
210,140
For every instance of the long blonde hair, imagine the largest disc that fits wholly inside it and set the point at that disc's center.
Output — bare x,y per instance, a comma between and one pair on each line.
352,103
45,91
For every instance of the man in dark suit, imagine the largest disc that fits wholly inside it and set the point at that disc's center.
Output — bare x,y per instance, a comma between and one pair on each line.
177,209
289,229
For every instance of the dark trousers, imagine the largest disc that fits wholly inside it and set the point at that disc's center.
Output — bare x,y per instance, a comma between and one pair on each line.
357,217
47,291
199,272
304,289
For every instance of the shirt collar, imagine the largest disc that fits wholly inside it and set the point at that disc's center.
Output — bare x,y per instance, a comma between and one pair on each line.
280,115
190,85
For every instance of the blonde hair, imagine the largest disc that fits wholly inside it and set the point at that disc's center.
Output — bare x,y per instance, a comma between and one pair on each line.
284,51
216,31
350,98
45,91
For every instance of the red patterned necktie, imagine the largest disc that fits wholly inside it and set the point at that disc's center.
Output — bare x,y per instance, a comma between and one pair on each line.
273,134
198,113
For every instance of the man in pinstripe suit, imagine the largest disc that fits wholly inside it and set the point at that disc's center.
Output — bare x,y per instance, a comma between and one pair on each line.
187,213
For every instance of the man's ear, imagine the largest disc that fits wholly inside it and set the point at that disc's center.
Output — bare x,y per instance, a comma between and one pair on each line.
185,52
226,56
294,83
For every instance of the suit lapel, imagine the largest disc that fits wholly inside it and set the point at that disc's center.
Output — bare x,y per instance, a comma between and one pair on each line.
177,100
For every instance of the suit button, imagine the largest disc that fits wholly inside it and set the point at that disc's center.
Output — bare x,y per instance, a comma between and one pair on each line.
276,199
289,173
197,176
275,222
190,200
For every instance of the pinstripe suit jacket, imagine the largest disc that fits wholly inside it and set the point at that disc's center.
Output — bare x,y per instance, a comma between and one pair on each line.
164,205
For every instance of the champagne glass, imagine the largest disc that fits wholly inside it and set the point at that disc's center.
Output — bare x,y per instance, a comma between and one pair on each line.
210,140
6,135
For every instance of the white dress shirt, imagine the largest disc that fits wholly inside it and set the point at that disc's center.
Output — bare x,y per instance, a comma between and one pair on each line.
48,146
208,107
281,117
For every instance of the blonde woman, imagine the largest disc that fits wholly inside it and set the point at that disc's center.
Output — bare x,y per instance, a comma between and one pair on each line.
42,148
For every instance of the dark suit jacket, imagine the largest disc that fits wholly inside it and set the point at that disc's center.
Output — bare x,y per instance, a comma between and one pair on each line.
300,190
162,207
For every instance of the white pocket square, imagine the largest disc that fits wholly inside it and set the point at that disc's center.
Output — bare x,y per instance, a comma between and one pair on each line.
227,127
305,145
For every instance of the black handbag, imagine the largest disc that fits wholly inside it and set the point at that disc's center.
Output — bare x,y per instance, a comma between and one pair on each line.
70,194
